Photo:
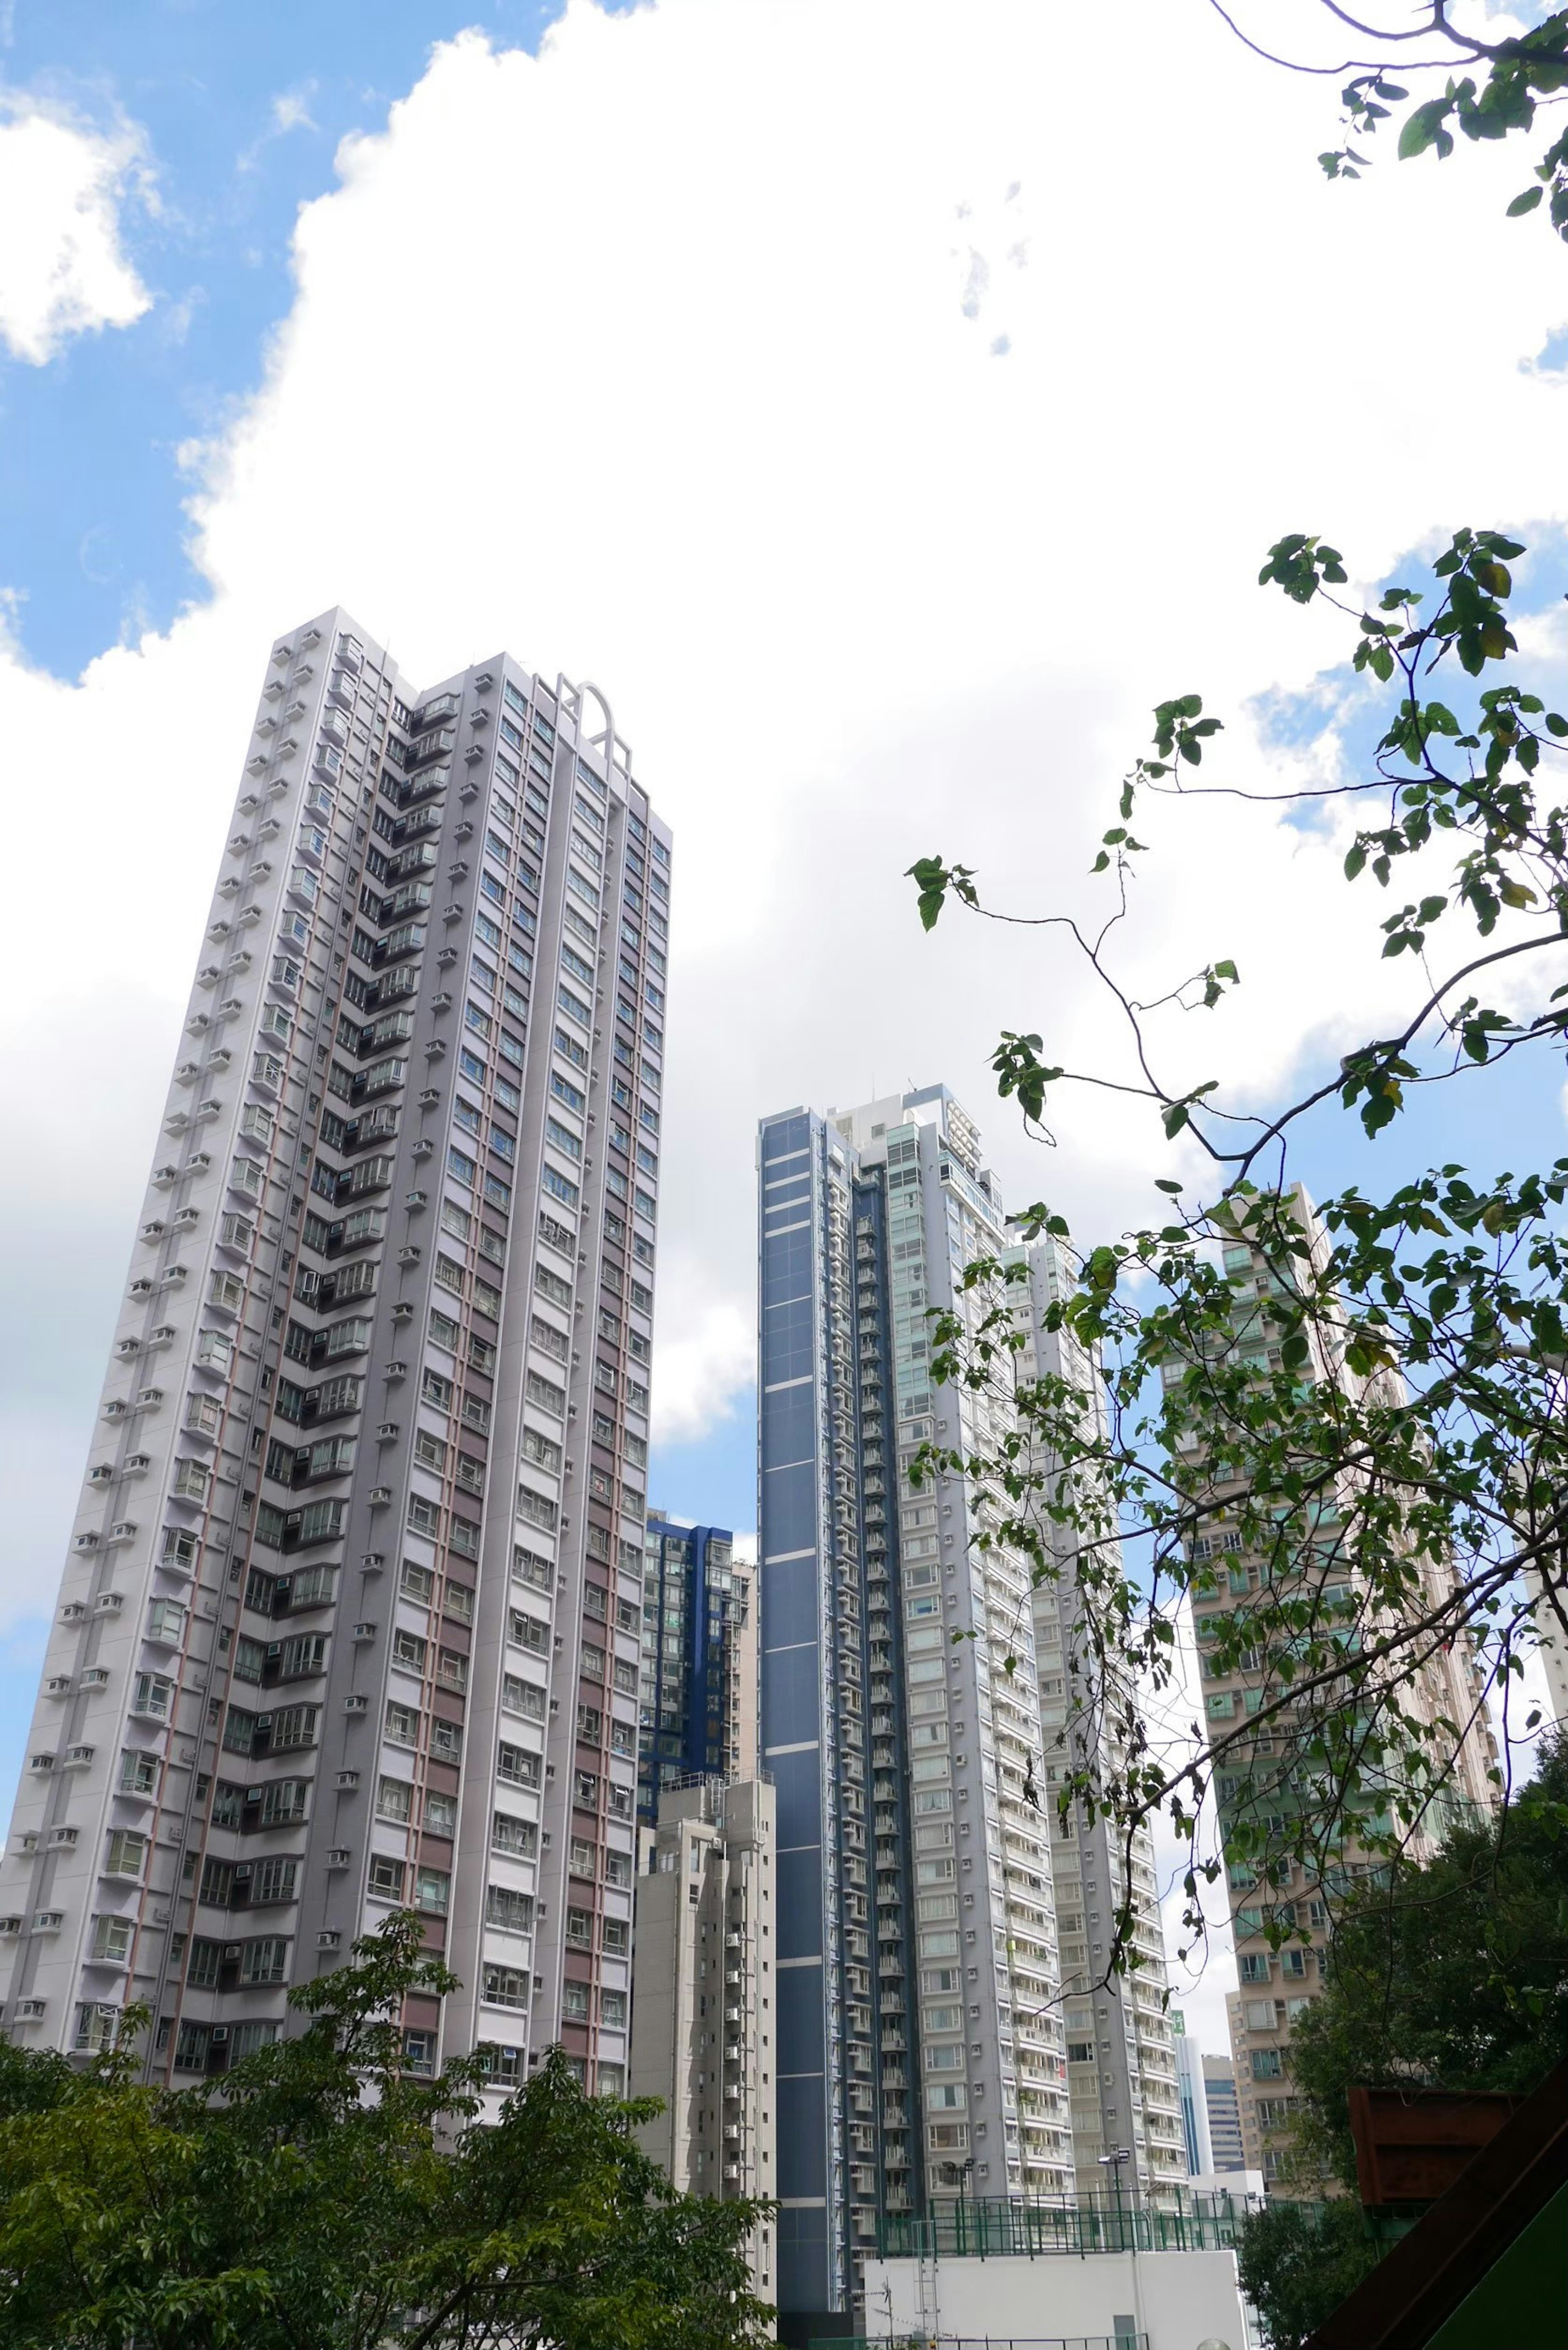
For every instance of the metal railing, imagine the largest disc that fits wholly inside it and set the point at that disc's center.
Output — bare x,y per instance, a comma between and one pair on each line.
1034,2228
985,2341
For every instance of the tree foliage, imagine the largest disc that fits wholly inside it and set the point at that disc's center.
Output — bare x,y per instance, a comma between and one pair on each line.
1297,2262
1462,1982
322,2197
1344,1447
1508,82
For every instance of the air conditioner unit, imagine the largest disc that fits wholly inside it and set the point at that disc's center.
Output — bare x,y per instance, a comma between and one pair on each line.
339,1856
328,1938
355,1705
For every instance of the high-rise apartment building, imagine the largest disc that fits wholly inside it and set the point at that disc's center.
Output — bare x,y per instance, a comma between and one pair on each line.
1121,2063
1266,1776
699,1692
704,2028
351,1613
921,2046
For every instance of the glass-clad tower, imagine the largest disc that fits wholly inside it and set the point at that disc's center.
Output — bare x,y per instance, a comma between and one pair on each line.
698,1661
920,2047
351,1612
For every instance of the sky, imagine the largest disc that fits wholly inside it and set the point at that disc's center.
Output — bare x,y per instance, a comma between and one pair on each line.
885,406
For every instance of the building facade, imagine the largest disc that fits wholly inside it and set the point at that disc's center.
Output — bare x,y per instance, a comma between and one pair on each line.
351,1612
1194,2103
699,1690
920,2048
704,2032
1266,1776
1121,2060
1224,2111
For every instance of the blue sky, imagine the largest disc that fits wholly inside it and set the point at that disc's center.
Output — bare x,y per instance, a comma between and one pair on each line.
242,107
795,370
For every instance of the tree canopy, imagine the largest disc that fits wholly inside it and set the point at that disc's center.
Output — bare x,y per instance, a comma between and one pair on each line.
324,2198
1509,81
1461,1982
1347,1448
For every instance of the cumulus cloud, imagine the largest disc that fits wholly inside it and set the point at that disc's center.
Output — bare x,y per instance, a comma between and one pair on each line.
688,403
63,267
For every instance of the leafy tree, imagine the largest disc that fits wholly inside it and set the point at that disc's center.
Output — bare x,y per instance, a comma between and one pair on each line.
322,2197
1463,1981
1517,75
1374,1412
1297,2262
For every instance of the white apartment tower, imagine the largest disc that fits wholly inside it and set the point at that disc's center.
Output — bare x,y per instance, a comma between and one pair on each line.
350,1613
704,2029
1121,2059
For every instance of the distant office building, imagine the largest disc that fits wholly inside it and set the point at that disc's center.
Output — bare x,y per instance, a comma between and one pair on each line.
1121,2065
1224,2113
704,2033
921,2054
699,1690
1194,2103
349,1618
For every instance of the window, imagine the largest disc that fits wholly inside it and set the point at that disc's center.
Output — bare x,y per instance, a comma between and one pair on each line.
127,1853
516,1766
153,1696
408,1650
303,1656
432,1890
440,1816
385,1878
283,1802
519,1838
264,1961
503,2066
506,1987
402,1724
111,1940
511,1911
294,1725
580,1929
612,2010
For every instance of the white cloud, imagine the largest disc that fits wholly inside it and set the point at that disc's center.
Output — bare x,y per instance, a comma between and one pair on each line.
690,406
63,268
289,110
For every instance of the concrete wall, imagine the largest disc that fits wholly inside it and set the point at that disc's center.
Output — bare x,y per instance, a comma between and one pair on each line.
1181,2301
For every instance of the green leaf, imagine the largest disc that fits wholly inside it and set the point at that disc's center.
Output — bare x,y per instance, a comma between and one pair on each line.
1524,203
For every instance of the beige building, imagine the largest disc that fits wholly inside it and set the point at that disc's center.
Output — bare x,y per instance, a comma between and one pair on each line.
1269,1776
704,2032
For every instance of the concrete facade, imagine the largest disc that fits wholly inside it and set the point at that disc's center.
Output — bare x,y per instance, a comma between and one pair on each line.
704,2035
1168,2301
351,1614
1121,2062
